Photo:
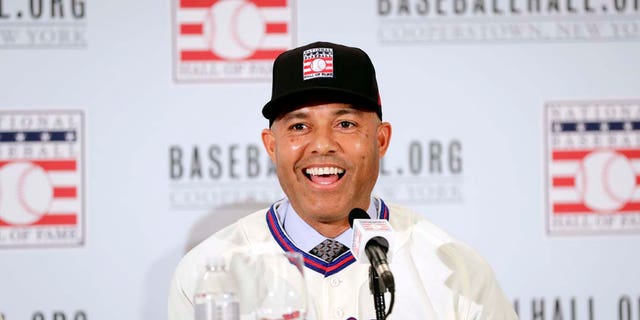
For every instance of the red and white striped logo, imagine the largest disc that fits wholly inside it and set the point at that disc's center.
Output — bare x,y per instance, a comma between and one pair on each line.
600,181
230,39
317,63
593,161
41,179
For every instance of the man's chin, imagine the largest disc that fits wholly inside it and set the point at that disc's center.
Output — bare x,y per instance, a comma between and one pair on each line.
325,210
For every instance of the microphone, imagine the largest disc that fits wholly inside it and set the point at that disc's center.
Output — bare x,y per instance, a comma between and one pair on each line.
371,242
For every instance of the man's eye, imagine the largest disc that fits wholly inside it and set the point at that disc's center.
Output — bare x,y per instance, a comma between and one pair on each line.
298,127
347,124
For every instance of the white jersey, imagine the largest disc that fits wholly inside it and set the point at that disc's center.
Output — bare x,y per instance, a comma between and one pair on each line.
436,276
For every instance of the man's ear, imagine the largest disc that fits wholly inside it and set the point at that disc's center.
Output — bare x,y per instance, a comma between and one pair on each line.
384,137
269,142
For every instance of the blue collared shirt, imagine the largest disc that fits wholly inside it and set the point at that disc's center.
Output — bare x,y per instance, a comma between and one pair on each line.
305,237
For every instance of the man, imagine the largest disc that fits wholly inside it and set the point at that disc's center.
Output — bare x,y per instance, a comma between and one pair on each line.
326,138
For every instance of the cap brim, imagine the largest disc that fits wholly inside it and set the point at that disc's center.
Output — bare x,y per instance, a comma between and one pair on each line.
297,99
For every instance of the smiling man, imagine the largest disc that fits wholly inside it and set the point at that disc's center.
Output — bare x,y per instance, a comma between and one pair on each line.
326,138
326,155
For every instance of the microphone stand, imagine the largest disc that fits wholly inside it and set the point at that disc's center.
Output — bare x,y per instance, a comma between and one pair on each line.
377,290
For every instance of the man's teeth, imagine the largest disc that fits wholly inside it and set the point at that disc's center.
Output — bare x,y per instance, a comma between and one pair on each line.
324,171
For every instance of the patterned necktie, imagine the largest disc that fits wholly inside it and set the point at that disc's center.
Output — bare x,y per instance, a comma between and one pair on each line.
328,250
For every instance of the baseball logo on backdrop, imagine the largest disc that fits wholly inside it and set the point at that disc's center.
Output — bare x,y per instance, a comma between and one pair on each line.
230,39
41,180
593,166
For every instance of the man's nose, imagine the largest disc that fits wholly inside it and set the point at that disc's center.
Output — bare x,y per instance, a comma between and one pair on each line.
324,141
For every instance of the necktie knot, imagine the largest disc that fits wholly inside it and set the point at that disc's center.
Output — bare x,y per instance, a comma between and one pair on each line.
328,250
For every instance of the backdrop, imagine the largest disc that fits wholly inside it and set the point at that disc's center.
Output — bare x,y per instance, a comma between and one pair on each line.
129,131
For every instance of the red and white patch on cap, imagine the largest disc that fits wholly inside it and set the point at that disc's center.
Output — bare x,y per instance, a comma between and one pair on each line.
317,63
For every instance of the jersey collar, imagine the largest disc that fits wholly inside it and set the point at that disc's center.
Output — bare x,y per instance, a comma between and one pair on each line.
310,261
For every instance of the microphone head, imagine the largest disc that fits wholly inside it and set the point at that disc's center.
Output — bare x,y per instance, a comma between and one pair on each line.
367,231
357,213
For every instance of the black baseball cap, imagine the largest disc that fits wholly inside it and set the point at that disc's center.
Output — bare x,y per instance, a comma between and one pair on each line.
322,72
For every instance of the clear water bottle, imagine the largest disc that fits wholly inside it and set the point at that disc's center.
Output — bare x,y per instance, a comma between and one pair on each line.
216,295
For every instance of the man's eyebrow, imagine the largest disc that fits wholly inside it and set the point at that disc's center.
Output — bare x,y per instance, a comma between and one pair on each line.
344,111
298,114
295,115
